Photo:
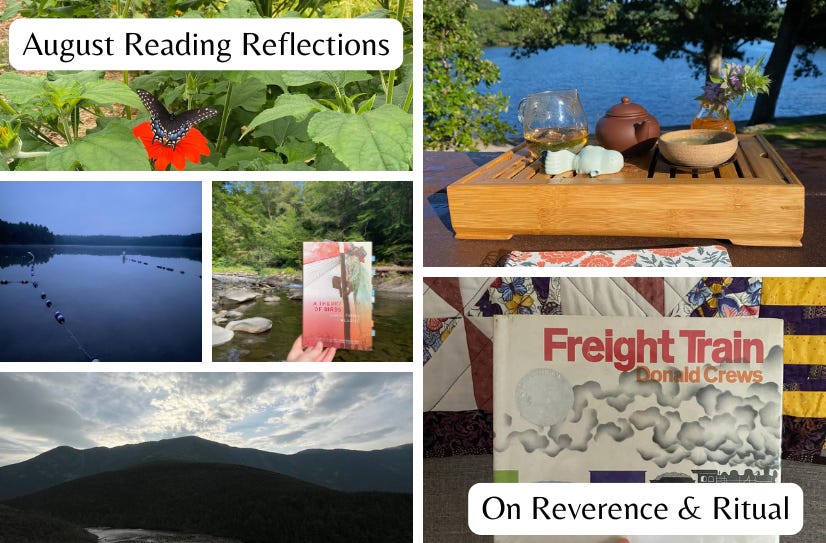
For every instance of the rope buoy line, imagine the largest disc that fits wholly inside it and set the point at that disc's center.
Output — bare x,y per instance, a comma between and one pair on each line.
58,315
136,261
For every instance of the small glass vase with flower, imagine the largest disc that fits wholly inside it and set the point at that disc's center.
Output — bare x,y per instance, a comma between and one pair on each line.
734,83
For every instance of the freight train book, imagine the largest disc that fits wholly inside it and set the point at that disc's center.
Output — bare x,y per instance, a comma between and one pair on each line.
646,400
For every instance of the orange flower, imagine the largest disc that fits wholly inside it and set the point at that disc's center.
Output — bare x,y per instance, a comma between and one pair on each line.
628,260
560,257
595,261
191,147
675,251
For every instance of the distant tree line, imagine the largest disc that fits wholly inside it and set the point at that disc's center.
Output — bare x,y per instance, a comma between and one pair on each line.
25,233
191,240
263,224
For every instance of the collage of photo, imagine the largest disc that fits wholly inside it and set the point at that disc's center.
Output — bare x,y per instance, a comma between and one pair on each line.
244,243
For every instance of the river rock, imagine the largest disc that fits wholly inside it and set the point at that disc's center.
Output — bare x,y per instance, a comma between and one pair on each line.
239,296
253,325
221,335
271,299
233,314
296,294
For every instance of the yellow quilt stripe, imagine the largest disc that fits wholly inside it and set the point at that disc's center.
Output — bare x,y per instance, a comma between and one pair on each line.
793,291
804,404
804,349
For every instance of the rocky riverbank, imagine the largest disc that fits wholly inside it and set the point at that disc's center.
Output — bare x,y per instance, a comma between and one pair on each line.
234,294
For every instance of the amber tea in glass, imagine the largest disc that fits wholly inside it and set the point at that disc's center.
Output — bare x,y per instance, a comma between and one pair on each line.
551,139
553,121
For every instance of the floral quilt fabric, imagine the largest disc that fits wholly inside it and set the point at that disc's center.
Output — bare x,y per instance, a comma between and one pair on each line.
702,256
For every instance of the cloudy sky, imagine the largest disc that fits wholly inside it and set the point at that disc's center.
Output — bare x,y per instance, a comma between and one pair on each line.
278,412
115,208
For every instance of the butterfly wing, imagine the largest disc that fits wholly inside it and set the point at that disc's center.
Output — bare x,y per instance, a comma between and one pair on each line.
170,128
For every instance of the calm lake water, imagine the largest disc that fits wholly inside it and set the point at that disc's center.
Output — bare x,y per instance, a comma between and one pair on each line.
118,311
665,88
392,314
120,535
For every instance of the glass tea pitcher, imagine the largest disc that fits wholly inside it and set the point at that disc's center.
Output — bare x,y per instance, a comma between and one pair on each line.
553,121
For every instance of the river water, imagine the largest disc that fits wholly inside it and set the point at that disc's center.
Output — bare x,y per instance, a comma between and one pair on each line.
665,88
114,309
393,342
120,535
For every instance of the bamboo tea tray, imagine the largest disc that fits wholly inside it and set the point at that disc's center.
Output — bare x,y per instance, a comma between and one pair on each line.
755,199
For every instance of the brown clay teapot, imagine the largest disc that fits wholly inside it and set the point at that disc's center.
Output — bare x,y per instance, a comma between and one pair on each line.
628,128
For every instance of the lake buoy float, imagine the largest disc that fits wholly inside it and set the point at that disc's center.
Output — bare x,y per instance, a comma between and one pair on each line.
3,282
24,282
58,316
42,295
34,284
182,272
48,303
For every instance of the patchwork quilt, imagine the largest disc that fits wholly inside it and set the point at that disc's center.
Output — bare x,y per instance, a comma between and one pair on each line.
458,351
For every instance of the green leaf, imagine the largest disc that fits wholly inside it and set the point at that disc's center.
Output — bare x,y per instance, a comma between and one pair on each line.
11,11
297,151
249,95
335,79
297,106
110,92
21,89
268,77
381,139
239,9
79,76
113,148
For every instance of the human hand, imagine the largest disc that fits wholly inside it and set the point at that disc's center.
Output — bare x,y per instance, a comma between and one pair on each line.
316,353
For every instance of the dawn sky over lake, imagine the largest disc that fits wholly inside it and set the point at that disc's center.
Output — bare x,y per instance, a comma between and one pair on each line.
277,412
117,208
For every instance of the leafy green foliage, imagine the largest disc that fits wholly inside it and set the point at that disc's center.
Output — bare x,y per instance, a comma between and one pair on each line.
490,21
263,225
269,120
456,114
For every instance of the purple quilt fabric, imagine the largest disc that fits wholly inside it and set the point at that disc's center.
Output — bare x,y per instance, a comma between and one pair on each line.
457,433
803,439
804,377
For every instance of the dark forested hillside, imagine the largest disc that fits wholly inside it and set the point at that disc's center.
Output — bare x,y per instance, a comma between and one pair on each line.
18,526
252,505
386,469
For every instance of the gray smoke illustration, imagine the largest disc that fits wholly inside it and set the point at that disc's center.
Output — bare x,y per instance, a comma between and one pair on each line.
733,430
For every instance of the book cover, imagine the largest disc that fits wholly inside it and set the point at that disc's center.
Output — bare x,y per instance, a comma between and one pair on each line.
617,399
338,294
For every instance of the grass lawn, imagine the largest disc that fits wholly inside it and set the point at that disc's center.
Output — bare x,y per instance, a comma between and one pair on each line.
793,132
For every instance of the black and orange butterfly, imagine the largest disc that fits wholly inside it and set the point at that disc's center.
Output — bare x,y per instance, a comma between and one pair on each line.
170,128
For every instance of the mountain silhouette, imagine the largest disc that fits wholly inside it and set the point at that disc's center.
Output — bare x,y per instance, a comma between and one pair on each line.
249,504
387,470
